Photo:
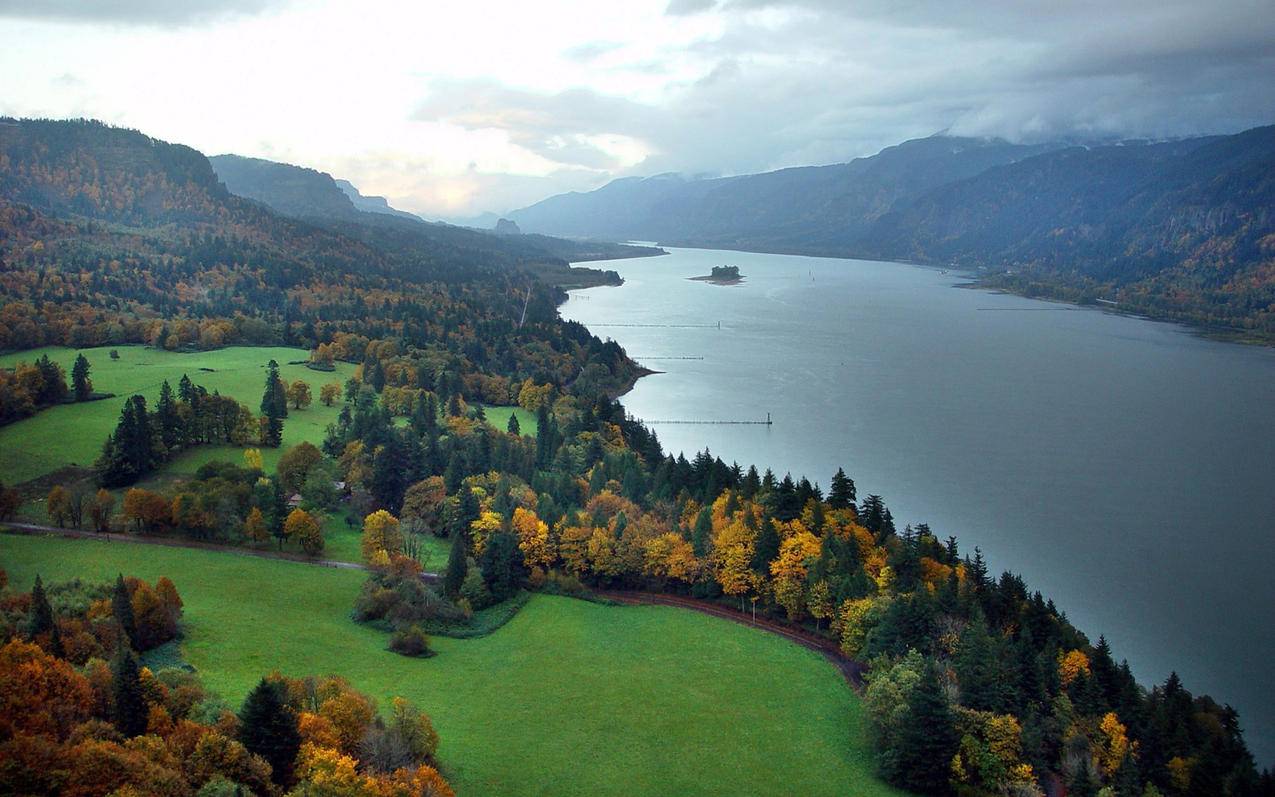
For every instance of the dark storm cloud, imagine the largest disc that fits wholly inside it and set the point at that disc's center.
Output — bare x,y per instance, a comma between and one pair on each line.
169,13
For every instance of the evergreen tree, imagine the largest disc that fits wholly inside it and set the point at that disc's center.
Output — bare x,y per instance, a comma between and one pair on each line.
40,618
122,610
502,565
56,648
129,705
274,406
976,668
80,382
702,534
766,550
167,417
842,493
457,568
512,427
927,741
268,728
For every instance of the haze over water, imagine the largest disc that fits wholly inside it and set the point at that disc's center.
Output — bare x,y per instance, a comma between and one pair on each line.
1125,468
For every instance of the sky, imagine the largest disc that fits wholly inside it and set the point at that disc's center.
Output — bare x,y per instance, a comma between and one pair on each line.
454,109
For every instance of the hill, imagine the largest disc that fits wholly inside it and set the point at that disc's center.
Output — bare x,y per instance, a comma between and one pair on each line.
813,209
371,204
108,236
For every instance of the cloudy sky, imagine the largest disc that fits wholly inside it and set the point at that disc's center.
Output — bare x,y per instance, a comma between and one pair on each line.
457,108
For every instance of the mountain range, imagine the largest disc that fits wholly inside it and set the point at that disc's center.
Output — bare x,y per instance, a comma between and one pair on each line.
1179,229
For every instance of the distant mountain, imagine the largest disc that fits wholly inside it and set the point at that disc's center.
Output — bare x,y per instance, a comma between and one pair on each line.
371,204
1180,229
317,198
816,209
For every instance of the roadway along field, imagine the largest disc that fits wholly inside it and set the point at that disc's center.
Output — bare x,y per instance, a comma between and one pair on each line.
568,698
74,433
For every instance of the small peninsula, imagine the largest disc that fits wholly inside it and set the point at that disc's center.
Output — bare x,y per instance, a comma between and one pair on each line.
722,275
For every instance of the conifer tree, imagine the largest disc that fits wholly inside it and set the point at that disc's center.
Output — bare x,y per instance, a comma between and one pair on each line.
268,728
457,567
927,741
702,534
80,382
122,609
40,619
841,495
512,427
766,550
130,710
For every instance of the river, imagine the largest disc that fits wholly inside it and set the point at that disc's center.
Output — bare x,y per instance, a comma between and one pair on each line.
1124,467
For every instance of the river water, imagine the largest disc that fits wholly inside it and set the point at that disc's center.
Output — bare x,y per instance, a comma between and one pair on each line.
1126,468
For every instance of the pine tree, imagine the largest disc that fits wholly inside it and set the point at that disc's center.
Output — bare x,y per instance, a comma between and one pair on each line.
702,534
40,619
130,712
841,495
268,728
926,743
167,417
80,382
56,648
766,550
122,609
457,566
512,427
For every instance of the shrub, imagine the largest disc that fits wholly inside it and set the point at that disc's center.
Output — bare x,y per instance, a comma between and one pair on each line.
411,641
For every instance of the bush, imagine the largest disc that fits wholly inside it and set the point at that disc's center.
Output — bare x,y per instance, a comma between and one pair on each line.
411,641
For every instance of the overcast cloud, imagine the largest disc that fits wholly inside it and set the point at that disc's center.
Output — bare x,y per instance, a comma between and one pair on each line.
493,106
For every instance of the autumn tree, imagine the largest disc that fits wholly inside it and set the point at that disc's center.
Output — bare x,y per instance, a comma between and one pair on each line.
329,393
382,537
295,464
302,527
101,507
252,459
58,505
299,394
254,527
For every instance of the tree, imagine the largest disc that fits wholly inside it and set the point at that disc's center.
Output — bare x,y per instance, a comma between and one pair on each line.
274,407
122,610
295,464
80,382
128,703
502,565
252,459
513,427
382,537
329,393
841,495
926,740
302,527
268,728
58,505
254,526
10,500
40,617
299,394
457,567
102,505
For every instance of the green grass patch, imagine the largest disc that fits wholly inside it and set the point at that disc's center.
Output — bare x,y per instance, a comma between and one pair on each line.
72,434
568,698
498,417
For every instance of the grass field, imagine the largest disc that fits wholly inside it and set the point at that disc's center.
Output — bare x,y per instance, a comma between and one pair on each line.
73,433
499,418
568,698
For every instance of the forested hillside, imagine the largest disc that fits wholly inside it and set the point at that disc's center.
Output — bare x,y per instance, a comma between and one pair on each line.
113,237
1180,229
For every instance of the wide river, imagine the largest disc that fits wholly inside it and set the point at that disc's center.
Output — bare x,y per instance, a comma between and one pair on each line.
1126,468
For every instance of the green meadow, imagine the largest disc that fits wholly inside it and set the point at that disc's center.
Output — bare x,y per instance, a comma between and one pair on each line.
72,434
569,698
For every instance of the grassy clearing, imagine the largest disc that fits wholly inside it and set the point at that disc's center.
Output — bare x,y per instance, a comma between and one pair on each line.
72,434
498,417
569,698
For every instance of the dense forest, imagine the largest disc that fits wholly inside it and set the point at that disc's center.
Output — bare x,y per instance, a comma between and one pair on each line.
976,684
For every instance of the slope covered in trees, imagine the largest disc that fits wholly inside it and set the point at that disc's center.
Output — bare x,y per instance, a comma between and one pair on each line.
1179,229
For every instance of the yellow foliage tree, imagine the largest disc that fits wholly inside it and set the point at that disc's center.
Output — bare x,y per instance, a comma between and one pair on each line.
487,524
533,539
381,536
252,459
1115,745
1071,664
304,528
254,527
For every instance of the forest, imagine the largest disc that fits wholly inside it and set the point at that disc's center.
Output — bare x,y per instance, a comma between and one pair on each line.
975,685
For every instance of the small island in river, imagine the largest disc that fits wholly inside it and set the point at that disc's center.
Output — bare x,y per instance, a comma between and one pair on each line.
722,275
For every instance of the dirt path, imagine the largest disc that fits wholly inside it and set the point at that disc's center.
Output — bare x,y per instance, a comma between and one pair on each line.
15,527
852,670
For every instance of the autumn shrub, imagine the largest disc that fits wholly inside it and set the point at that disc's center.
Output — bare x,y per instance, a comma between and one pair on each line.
411,641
